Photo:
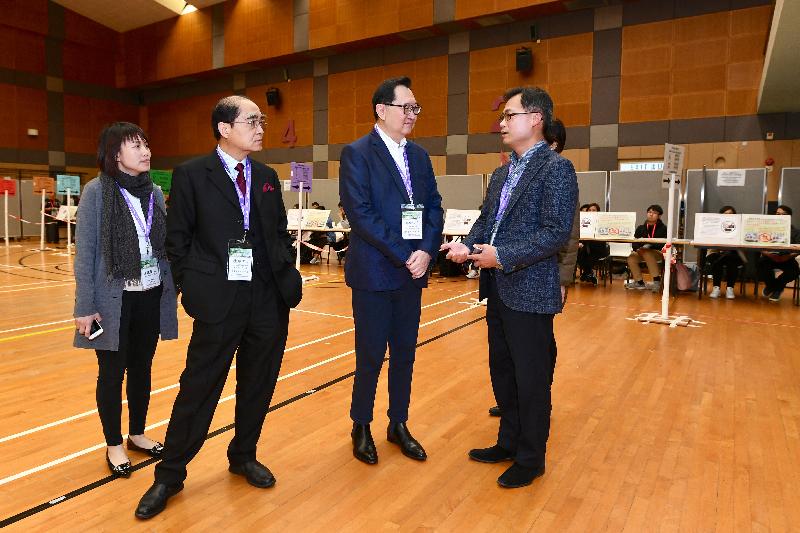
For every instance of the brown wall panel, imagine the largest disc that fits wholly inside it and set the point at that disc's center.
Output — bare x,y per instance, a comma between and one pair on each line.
22,108
182,127
84,118
257,29
473,8
350,94
168,49
340,21
28,15
21,50
296,104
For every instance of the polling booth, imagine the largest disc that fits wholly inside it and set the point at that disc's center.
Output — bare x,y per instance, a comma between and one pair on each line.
707,190
593,188
789,191
635,190
461,191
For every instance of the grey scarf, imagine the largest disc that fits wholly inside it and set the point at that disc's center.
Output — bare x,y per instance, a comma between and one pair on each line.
120,242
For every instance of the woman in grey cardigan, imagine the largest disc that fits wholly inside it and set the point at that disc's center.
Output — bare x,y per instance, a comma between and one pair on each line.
123,281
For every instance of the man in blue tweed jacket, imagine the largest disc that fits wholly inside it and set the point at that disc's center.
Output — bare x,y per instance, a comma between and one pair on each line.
526,218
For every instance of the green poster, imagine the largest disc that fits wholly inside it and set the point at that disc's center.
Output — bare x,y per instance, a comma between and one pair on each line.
162,178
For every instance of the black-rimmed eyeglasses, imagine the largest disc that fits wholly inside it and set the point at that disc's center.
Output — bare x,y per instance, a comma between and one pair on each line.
408,108
508,115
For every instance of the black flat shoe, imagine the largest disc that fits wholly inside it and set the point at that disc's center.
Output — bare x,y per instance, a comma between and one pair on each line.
493,454
363,445
518,476
397,433
494,411
155,451
155,499
123,470
255,473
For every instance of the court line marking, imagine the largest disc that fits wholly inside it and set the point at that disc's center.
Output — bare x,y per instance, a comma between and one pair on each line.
36,326
34,283
37,288
160,423
176,385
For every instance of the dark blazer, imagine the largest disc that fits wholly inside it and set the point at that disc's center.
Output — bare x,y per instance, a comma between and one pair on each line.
536,225
203,215
371,190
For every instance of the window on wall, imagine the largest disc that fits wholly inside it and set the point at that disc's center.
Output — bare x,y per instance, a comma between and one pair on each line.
641,165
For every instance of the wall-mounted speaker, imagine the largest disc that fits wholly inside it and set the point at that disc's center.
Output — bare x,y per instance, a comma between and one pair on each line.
273,97
524,60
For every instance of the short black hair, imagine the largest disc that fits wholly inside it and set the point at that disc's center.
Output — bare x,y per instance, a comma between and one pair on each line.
584,207
657,208
226,110
556,133
595,204
110,143
785,208
384,94
534,99
727,208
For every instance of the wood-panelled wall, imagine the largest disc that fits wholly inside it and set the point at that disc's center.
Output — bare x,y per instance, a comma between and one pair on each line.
256,29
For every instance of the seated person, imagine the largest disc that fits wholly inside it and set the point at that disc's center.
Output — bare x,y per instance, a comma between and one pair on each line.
341,239
589,252
779,260
653,228
728,260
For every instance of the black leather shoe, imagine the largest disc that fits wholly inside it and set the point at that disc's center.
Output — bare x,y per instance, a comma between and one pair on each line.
493,454
519,476
397,433
123,470
155,451
155,499
494,411
256,474
363,445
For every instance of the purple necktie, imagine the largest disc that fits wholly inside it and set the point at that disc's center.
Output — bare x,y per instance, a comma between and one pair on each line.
240,178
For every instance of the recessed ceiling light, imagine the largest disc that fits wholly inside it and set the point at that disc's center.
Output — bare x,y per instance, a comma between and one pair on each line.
188,8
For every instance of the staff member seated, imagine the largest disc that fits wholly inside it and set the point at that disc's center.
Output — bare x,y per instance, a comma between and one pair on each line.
784,261
653,228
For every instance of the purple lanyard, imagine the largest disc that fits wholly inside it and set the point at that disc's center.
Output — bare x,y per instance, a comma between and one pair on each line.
244,199
145,227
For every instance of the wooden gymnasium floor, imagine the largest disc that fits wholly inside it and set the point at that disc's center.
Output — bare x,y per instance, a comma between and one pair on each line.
686,429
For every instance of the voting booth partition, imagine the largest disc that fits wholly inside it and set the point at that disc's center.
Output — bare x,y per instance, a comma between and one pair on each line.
593,188
707,190
635,190
789,191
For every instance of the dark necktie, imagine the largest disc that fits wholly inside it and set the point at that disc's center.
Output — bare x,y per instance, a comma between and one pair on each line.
240,178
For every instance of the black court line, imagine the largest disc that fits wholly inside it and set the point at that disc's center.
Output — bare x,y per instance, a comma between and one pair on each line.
139,466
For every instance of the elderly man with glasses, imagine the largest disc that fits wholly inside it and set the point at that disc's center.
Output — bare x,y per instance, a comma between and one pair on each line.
388,190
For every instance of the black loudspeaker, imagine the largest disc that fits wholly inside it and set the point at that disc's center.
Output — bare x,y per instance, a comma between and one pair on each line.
273,97
524,60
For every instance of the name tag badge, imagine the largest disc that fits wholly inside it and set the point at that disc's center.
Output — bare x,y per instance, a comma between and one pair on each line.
240,261
150,277
411,216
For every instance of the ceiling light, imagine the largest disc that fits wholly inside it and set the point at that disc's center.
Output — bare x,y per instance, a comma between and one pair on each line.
188,8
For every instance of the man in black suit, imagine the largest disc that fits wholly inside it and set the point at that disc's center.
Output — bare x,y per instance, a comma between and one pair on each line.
231,257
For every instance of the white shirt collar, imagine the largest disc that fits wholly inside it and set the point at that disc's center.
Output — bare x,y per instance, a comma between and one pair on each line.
230,162
390,143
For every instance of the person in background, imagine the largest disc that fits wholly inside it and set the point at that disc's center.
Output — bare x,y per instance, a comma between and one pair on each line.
590,252
123,282
727,261
784,261
342,238
653,228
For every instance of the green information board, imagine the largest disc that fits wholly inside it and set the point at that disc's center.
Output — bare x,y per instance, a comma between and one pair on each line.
162,178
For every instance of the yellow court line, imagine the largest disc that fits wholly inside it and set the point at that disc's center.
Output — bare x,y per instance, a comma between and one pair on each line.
24,335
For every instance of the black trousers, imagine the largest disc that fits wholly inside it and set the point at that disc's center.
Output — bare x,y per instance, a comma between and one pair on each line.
789,272
522,357
381,318
725,261
139,327
255,330
589,254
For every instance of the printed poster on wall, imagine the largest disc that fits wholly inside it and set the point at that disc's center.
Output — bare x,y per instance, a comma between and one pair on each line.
312,218
731,178
716,228
615,225
766,229
459,221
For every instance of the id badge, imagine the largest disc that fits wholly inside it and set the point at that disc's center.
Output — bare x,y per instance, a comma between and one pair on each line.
411,216
240,261
151,275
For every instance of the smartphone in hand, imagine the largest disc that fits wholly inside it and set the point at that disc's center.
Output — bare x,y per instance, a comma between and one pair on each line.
96,330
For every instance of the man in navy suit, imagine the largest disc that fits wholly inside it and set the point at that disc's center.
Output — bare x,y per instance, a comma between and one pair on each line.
389,193
526,218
